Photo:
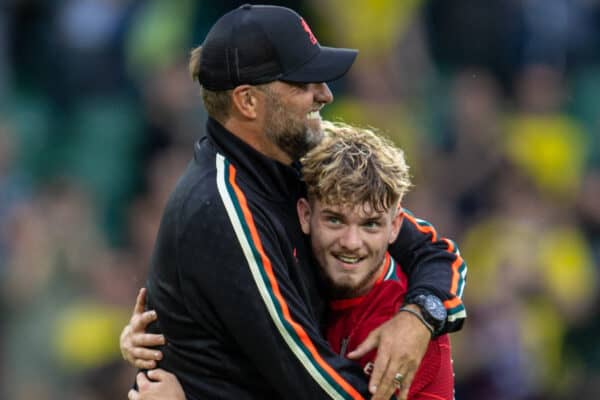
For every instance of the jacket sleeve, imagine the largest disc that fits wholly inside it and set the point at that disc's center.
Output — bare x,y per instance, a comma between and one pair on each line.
433,265
239,266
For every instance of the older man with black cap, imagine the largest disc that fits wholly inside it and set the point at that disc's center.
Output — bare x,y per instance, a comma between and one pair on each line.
232,277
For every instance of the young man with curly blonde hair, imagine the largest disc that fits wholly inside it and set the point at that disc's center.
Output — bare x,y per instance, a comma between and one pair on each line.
356,181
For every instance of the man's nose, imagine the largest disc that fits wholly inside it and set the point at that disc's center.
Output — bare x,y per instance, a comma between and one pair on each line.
350,239
322,93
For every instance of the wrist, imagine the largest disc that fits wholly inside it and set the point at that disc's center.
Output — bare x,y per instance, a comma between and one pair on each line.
416,312
431,310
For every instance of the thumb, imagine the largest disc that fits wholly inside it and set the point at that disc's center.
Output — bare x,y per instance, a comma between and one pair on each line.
370,343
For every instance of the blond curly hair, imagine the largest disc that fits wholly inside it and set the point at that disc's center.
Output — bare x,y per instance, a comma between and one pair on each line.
355,166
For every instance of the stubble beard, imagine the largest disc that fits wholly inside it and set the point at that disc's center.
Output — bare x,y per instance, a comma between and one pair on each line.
348,290
289,134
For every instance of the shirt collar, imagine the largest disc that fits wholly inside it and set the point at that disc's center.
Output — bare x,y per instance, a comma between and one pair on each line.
266,175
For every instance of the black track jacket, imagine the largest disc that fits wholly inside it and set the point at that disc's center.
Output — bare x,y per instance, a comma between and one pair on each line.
235,289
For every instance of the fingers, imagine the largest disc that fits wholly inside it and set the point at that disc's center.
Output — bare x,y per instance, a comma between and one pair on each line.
139,321
366,346
378,386
144,364
142,381
403,395
147,340
163,385
381,360
384,379
146,354
140,302
133,395
386,365
144,358
388,385
124,342
135,344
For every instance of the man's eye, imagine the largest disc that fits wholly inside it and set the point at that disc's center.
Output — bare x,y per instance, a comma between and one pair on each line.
372,224
333,220
299,85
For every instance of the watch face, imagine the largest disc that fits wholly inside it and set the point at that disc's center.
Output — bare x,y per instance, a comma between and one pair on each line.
435,308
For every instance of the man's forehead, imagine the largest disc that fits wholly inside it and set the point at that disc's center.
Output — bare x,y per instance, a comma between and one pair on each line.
364,210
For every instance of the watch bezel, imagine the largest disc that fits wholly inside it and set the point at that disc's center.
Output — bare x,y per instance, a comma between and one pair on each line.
433,310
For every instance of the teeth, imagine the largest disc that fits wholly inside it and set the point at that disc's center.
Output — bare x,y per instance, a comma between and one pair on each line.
349,260
313,115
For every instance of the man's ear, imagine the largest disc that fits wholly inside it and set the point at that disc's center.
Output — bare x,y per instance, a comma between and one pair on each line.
304,212
396,225
245,101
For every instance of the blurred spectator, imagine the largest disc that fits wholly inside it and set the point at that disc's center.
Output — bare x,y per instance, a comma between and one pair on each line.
474,33
58,322
4,64
535,265
15,190
391,43
468,142
548,144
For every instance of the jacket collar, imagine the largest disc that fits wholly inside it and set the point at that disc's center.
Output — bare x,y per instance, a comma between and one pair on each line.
268,177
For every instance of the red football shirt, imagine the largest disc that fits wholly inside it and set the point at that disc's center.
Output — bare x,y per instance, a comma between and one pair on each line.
351,320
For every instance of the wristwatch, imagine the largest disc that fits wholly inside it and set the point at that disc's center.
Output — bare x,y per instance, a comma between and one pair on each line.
432,310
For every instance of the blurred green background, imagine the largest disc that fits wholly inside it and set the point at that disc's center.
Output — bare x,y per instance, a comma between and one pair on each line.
496,102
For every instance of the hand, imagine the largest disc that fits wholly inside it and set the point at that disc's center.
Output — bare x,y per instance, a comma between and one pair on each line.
135,342
401,344
164,385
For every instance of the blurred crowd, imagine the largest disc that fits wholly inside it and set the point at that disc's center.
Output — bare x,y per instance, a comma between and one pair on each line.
496,103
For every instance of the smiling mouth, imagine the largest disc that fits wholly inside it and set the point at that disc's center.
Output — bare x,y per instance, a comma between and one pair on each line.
349,259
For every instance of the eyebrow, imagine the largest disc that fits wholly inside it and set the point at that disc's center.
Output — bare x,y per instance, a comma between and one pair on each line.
329,211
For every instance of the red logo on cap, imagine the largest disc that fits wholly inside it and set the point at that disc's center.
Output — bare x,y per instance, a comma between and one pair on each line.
312,37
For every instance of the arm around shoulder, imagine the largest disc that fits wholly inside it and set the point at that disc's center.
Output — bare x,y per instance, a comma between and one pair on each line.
434,266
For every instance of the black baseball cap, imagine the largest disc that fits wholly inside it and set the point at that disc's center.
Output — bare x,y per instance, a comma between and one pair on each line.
256,44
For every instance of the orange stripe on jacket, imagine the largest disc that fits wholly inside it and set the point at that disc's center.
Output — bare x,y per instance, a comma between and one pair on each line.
453,302
424,229
275,286
387,261
455,265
